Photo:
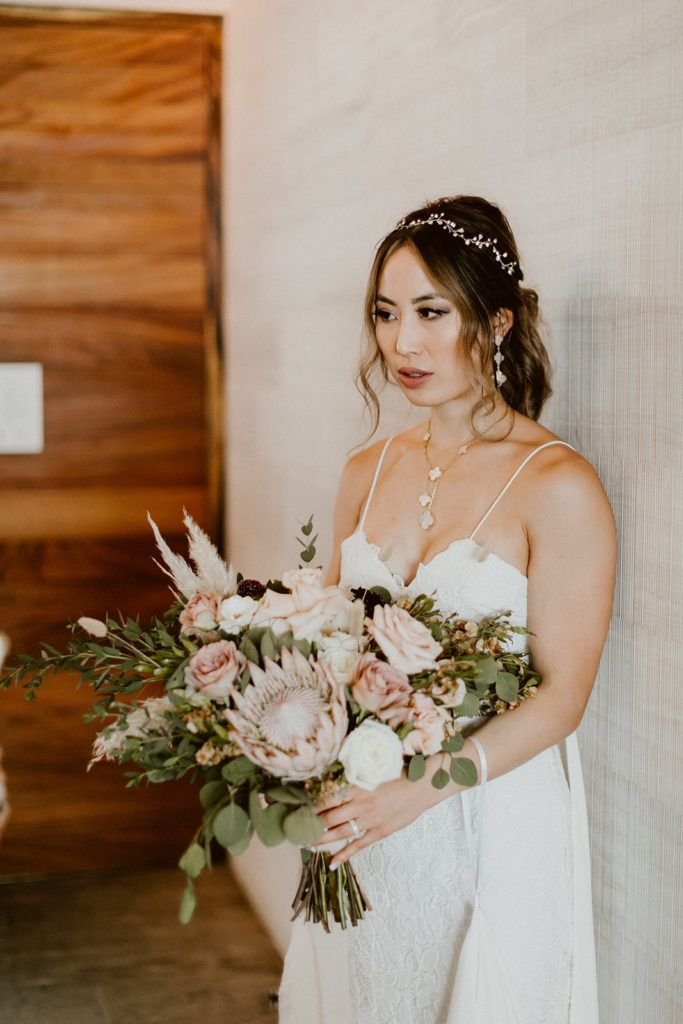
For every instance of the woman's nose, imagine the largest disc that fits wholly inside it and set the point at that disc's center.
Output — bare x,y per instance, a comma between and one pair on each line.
407,337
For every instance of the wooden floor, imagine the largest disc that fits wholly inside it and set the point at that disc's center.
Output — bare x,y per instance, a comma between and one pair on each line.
107,948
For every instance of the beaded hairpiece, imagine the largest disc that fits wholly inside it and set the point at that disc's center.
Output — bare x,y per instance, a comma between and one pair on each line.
511,266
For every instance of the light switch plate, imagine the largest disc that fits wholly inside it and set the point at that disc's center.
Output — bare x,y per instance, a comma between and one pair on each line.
21,408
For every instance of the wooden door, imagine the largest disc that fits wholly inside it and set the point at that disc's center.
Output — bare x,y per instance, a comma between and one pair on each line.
109,277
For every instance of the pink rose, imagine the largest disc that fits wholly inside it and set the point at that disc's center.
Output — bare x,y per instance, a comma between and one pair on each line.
380,688
211,672
430,726
408,645
200,615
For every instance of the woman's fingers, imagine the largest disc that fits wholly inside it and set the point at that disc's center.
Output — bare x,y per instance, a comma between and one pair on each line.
335,799
351,848
337,815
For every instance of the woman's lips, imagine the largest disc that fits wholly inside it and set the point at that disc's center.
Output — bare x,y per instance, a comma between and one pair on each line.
414,378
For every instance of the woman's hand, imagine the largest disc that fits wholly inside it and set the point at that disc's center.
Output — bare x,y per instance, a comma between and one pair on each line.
378,813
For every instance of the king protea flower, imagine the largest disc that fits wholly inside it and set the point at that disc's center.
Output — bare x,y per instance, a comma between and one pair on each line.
291,720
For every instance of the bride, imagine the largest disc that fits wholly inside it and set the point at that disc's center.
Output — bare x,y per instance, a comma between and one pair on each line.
481,908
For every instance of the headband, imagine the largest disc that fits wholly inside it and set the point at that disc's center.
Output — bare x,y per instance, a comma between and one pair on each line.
511,266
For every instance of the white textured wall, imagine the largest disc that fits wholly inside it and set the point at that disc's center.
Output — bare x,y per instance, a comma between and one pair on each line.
344,115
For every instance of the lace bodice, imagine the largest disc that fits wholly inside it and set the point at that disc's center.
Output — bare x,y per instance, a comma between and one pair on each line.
465,578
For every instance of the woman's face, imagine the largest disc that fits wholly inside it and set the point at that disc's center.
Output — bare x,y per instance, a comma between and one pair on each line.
417,330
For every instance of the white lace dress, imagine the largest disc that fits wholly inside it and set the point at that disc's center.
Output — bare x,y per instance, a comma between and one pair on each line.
398,965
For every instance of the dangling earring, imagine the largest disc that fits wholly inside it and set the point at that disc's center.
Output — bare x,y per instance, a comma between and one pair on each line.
499,377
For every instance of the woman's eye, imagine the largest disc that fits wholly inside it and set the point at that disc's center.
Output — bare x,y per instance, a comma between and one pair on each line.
382,314
429,313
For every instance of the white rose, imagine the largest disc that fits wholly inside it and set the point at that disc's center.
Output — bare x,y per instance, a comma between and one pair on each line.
339,652
303,577
236,612
371,754
342,664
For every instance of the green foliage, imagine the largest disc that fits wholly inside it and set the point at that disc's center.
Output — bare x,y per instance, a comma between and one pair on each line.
287,795
211,793
463,771
239,769
303,826
308,546
469,708
267,821
188,902
417,767
230,825
454,743
193,861
440,778
507,686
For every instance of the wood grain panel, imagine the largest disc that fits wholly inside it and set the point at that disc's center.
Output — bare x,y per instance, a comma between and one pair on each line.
48,45
109,277
29,224
181,179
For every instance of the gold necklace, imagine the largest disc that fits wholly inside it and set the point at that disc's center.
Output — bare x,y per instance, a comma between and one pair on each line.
434,474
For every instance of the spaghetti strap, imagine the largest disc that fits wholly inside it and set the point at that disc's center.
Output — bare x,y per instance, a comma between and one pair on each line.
374,482
513,478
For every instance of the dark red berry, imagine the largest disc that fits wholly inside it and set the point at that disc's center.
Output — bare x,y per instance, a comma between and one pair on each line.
251,588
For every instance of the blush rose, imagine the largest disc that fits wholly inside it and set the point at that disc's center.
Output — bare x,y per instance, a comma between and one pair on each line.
407,644
211,672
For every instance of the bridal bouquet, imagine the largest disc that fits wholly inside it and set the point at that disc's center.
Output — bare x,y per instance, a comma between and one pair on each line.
273,695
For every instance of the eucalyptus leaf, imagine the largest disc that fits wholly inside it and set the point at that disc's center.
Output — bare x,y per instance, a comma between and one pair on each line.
440,778
303,826
486,670
230,825
507,686
268,648
211,793
453,744
469,707
417,767
240,847
237,770
286,795
303,646
188,903
249,650
463,771
193,861
382,592
267,820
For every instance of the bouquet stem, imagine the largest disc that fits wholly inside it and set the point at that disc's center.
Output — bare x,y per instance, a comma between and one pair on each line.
323,893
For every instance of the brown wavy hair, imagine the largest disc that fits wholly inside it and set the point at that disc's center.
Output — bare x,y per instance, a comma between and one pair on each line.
478,287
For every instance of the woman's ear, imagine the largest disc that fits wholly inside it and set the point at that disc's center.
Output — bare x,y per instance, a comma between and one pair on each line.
503,321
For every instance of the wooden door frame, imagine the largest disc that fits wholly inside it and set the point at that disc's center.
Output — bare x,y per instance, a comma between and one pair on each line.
213,334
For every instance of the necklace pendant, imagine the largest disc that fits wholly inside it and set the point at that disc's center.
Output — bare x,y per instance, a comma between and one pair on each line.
434,473
426,520
424,500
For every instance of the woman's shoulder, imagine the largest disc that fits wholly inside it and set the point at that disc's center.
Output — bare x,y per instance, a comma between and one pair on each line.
361,466
560,480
